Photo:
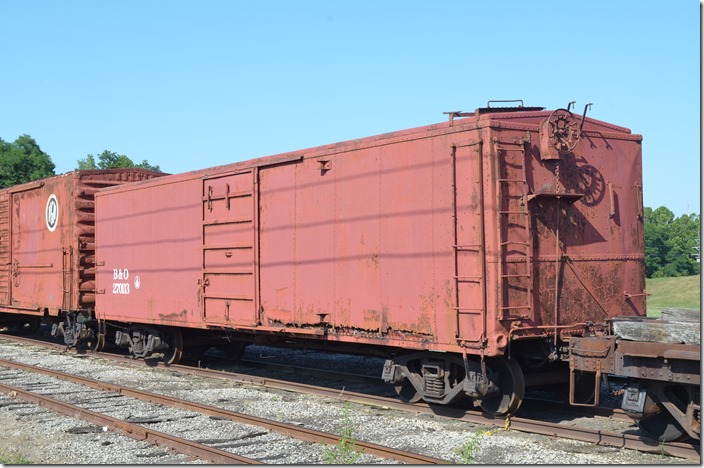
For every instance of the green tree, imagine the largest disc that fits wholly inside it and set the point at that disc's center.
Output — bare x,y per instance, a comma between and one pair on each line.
655,224
670,243
23,161
111,160
682,242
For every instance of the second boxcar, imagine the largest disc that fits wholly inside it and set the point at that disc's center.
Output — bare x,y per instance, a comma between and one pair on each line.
47,248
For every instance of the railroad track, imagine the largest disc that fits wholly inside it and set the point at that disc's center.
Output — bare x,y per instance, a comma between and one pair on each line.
180,444
598,437
333,379
135,431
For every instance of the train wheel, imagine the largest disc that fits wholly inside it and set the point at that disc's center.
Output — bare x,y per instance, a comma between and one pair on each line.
175,352
661,426
658,423
96,339
98,343
507,375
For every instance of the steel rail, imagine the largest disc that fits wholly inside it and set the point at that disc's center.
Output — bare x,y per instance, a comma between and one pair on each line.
595,436
290,430
134,431
628,441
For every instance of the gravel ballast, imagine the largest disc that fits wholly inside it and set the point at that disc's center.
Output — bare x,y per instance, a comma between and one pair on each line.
45,438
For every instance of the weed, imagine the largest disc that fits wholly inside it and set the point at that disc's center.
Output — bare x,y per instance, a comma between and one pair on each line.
346,451
469,450
8,458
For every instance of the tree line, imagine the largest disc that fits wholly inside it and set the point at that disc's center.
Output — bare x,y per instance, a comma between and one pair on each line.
23,161
671,243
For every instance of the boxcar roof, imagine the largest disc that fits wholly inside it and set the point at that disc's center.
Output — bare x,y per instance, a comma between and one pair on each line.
468,121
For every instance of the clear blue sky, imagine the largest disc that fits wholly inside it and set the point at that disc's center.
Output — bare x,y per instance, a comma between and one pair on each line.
194,84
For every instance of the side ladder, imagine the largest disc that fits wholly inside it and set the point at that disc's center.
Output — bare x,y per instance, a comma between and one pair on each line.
515,239
468,242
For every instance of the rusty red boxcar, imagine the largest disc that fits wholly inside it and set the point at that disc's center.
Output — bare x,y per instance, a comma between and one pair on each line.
47,258
450,247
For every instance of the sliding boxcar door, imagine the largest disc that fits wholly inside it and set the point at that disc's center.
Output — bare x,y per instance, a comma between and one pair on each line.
229,267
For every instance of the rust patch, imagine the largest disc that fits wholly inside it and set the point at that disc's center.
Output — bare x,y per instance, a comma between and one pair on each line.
448,297
424,325
371,316
374,260
384,326
174,317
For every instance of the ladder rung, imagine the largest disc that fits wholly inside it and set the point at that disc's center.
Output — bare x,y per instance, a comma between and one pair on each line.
525,275
514,242
503,148
513,212
513,180
467,246
516,307
465,309
468,278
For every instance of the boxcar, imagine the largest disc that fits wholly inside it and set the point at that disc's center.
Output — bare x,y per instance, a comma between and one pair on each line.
469,251
47,257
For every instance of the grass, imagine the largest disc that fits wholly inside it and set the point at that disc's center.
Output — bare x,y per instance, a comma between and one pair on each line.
469,450
346,451
7,458
679,292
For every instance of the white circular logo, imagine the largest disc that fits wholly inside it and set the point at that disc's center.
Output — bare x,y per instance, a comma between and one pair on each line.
137,282
52,213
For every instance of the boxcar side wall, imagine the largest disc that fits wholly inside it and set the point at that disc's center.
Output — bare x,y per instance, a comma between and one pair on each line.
148,252
352,244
